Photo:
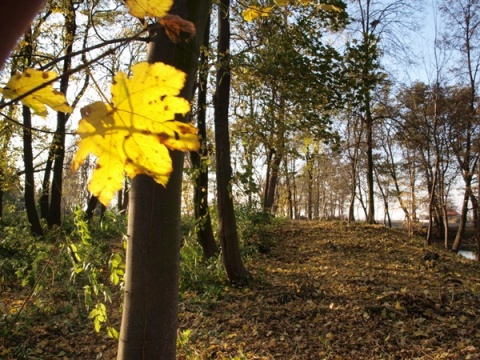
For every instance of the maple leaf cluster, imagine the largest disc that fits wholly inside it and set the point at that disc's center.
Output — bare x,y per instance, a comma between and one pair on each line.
35,90
134,133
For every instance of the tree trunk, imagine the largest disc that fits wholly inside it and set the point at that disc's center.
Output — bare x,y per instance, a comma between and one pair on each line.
30,207
91,206
387,220
44,200
431,189
360,199
370,171
122,197
463,219
289,190
309,164
55,213
445,226
353,192
205,236
1,200
271,151
228,235
150,312
476,208
273,180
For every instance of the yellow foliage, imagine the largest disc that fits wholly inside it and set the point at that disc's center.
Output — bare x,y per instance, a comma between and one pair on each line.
153,8
133,134
254,12
20,84
329,7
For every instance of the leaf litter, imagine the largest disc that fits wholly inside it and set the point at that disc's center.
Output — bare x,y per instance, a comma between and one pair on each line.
335,291
325,290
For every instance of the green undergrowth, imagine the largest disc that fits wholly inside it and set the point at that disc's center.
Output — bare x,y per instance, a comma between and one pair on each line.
71,280
206,277
63,280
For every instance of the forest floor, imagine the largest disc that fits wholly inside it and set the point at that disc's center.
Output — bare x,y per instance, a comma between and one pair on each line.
322,291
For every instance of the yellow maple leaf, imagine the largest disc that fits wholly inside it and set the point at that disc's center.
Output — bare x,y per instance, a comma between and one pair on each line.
254,12
133,134
22,83
154,8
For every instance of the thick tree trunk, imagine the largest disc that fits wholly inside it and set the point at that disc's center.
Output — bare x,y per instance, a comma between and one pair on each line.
228,235
150,312
273,181
205,236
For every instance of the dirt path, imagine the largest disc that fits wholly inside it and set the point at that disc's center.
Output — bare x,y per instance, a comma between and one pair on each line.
330,291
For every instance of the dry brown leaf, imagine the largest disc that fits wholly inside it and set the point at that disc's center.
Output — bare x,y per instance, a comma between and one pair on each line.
177,29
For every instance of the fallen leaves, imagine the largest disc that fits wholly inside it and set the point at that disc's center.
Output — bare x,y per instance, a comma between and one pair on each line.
325,291
328,291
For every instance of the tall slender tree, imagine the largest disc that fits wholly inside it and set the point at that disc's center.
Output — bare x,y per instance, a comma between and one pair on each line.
227,232
150,312
463,37
30,204
204,229
378,28
58,143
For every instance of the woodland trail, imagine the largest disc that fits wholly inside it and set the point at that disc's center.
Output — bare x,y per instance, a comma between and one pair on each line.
332,291
323,290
